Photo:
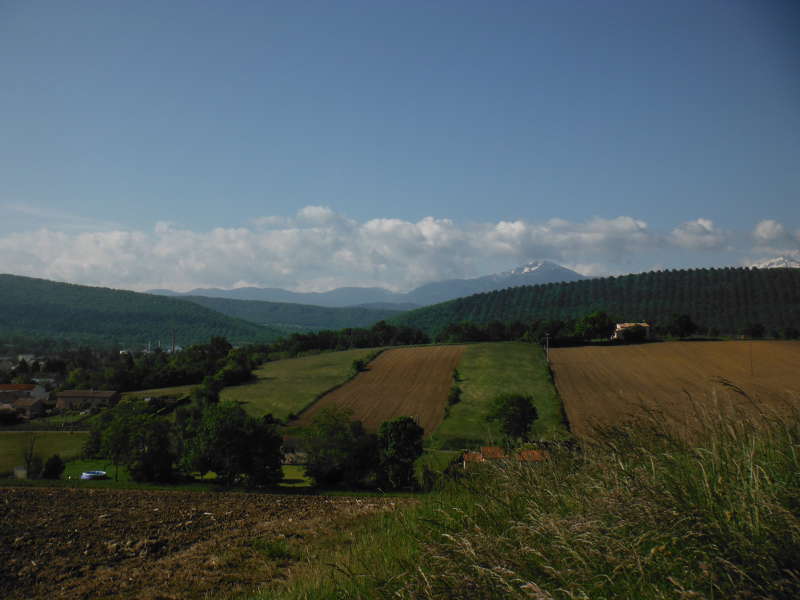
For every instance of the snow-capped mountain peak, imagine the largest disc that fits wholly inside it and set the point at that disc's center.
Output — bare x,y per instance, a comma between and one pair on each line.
532,267
780,262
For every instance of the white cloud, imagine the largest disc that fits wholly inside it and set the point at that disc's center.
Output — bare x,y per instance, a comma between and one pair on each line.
769,230
318,249
773,238
700,234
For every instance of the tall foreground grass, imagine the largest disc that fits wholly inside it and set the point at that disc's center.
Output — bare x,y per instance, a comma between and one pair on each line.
639,514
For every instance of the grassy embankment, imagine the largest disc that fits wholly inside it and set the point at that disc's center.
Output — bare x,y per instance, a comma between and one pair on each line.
641,515
177,391
67,444
487,370
289,385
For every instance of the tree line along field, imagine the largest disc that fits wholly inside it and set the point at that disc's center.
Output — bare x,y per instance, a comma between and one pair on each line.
676,382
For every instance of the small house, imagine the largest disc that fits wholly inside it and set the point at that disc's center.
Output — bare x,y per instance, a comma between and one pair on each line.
621,327
10,391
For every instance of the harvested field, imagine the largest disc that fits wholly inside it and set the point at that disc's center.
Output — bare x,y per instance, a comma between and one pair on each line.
676,382
400,382
68,543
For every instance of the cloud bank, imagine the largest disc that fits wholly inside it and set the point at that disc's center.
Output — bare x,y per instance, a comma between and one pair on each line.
318,249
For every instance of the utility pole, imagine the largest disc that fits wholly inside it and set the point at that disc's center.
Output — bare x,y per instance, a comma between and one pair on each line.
547,346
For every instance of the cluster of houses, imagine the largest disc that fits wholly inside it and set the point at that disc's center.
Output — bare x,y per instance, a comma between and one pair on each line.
29,401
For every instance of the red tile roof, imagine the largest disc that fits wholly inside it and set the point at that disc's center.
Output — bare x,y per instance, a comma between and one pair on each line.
86,394
492,452
473,457
532,455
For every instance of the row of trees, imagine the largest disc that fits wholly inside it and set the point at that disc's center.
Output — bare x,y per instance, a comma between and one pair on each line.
380,334
85,368
212,436
205,437
592,326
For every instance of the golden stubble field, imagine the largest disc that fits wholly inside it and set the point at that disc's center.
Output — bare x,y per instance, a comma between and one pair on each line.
400,382
675,382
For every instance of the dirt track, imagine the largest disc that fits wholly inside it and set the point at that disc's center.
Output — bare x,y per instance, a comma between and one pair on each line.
69,544
675,381
400,382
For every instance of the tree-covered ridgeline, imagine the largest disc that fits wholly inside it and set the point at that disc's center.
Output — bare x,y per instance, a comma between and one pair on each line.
722,301
37,309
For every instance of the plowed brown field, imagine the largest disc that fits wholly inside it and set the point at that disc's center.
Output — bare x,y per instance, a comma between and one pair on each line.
410,382
676,381
88,544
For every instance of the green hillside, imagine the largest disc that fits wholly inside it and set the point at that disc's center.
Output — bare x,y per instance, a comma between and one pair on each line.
37,308
725,300
294,316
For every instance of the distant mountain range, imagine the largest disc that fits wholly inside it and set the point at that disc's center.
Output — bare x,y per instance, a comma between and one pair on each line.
533,273
293,317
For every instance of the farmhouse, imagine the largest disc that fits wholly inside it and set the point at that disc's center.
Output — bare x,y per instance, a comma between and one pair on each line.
12,391
623,326
86,399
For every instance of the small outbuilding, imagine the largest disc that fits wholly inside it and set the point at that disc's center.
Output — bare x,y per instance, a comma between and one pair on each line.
86,399
622,327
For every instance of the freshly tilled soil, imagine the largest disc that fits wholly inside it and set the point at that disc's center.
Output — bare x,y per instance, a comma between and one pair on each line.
64,543
411,382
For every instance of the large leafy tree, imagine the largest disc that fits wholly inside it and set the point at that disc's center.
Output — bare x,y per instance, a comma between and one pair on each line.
595,325
515,414
339,449
235,446
682,326
400,443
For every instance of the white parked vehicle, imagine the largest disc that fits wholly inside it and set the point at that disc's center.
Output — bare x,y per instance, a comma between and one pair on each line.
93,475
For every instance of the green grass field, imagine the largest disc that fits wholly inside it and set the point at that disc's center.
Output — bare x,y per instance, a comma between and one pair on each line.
288,386
13,443
487,370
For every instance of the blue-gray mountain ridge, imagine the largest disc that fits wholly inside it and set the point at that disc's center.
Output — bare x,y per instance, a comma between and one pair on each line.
532,273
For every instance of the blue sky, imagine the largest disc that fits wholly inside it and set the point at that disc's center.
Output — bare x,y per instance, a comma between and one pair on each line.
315,144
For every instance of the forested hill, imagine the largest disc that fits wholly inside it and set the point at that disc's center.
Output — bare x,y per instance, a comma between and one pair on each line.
725,299
37,309
294,316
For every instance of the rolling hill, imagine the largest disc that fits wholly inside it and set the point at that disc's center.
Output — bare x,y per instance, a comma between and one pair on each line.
725,300
39,309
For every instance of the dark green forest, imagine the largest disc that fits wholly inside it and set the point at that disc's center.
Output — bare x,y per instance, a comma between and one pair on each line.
46,310
295,316
721,301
